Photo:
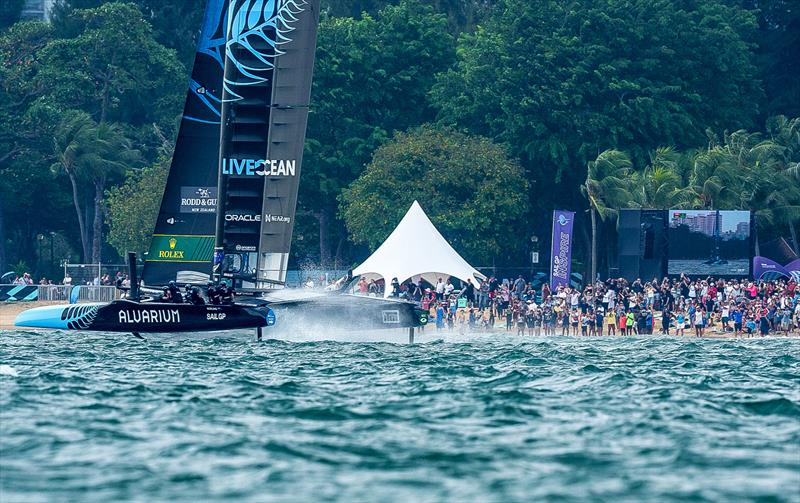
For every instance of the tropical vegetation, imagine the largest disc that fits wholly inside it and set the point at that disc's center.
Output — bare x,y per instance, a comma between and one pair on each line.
491,112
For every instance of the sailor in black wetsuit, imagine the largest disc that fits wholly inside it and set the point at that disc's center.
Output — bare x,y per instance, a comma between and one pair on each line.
194,297
165,296
226,293
175,293
212,293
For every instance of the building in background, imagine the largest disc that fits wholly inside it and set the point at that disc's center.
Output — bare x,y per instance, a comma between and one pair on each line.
37,9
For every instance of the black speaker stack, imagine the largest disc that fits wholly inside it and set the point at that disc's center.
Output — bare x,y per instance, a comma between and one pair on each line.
642,244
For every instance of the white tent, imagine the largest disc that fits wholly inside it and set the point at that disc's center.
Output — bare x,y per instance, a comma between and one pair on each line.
415,249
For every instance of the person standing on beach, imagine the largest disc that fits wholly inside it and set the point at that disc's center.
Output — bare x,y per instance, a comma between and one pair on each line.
630,322
666,319
440,290
598,323
680,322
611,322
764,323
737,321
698,322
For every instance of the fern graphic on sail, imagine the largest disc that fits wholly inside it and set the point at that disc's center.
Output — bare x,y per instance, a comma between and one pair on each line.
269,60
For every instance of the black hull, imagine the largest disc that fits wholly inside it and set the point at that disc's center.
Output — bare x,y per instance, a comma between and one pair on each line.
319,312
347,312
147,317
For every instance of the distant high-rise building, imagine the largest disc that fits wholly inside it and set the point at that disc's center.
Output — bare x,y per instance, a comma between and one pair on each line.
743,229
37,9
703,223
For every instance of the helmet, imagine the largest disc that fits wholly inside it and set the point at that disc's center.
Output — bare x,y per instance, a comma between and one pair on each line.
210,283
166,289
171,283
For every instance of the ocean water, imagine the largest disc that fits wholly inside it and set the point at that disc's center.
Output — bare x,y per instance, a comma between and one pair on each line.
484,418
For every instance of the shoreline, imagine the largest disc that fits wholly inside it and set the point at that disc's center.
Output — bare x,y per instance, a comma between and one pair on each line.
9,311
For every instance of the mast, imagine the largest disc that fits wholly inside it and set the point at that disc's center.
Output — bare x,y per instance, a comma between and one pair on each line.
269,61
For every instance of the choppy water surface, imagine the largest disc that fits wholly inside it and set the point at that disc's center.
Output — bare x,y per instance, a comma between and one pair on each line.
490,418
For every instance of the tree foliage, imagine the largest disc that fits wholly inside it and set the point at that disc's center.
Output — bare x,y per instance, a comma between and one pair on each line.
678,87
371,79
560,81
113,68
133,208
470,188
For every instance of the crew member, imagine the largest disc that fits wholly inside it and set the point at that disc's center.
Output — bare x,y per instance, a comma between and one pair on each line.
227,293
194,297
212,293
175,293
165,295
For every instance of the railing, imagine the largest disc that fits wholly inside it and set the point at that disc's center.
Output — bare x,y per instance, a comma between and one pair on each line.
57,293
54,292
91,293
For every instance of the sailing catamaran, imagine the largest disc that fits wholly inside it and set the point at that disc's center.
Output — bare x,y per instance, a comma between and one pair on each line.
228,209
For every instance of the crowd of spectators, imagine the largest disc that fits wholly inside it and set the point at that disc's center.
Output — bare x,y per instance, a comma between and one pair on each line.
682,306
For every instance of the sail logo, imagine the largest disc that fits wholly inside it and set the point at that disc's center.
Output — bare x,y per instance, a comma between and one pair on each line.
278,219
237,217
172,253
260,167
149,316
198,199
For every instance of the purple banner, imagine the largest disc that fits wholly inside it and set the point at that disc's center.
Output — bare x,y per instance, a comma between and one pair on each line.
561,249
764,268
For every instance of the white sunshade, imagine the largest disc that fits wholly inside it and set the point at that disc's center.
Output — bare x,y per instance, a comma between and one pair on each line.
415,249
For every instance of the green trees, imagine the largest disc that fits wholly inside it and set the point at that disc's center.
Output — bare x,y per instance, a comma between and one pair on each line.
77,96
112,68
742,170
91,153
561,81
472,191
560,84
607,188
371,79
133,207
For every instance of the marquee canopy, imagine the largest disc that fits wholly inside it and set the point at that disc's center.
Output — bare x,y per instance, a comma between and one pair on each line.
415,249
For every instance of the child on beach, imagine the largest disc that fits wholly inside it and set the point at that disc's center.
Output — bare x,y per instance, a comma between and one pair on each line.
750,325
630,323
611,322
573,318
680,323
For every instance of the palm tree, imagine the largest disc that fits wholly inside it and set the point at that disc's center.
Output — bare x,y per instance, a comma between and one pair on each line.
72,148
115,156
660,185
607,188
89,152
715,177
